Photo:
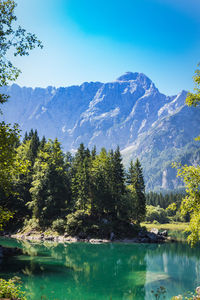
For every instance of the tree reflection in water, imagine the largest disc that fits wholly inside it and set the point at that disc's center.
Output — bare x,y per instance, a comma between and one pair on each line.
106,271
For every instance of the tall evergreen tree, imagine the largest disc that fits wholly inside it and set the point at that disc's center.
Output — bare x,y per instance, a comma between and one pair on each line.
101,195
117,178
50,189
81,178
34,146
135,178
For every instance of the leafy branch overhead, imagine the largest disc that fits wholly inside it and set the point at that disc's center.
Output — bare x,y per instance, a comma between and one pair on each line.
193,99
13,40
191,178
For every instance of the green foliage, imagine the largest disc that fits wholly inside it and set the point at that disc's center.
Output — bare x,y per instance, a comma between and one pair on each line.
191,203
127,206
189,295
50,188
193,99
136,180
156,214
11,289
107,182
59,226
164,200
13,40
12,166
86,188
5,216
9,163
31,224
81,178
21,181
76,222
191,177
82,224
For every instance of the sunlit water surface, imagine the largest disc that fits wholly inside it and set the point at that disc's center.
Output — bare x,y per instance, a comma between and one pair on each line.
107,271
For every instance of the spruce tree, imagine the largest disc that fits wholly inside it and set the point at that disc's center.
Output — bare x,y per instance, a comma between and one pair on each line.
34,146
135,178
118,178
80,182
50,187
101,195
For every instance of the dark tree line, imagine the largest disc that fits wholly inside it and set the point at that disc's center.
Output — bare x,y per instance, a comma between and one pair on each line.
164,200
58,187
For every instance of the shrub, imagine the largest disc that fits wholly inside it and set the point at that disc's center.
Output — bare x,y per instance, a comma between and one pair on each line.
31,224
75,222
155,213
11,289
84,225
59,225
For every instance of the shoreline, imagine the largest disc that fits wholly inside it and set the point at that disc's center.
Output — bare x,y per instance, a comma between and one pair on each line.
149,237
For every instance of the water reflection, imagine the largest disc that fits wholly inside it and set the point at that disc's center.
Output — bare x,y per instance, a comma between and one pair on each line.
175,266
109,271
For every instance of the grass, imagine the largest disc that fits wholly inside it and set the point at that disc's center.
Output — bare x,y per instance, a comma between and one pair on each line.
178,226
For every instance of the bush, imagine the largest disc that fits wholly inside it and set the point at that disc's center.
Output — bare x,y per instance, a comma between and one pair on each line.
178,217
59,226
31,224
155,213
76,222
11,289
84,225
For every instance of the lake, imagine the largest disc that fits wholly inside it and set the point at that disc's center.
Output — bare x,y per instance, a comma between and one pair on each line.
106,271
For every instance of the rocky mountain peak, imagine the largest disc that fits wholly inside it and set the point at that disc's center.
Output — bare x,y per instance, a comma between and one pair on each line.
128,76
138,78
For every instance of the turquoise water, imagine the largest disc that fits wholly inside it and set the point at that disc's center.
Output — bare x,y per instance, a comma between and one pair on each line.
107,271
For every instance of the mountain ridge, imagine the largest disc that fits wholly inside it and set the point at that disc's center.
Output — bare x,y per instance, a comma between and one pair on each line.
128,112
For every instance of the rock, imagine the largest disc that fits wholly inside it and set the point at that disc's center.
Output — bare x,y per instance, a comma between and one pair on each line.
30,232
142,234
155,238
144,240
112,235
49,238
155,230
98,241
152,236
164,233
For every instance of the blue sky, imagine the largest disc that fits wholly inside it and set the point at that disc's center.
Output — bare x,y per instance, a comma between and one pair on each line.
89,40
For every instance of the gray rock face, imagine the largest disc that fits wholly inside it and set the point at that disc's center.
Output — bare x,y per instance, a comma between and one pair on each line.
129,112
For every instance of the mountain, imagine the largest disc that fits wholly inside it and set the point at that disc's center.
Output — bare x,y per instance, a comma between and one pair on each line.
129,112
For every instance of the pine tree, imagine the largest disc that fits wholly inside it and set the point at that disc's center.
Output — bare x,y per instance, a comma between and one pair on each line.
34,146
135,178
80,183
50,187
117,179
93,153
100,192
